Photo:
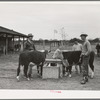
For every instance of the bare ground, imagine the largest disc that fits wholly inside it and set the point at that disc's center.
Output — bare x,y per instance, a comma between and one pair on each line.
9,64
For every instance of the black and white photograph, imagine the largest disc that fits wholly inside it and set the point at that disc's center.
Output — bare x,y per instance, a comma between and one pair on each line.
50,46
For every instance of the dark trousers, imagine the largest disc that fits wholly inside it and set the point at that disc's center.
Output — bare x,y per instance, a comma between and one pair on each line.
98,52
85,63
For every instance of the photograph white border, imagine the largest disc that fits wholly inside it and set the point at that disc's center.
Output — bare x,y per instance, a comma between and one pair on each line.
48,94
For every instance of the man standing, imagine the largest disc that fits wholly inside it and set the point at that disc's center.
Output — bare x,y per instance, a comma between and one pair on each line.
29,45
98,49
86,49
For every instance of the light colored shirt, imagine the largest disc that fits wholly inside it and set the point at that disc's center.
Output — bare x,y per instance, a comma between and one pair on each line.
77,47
86,48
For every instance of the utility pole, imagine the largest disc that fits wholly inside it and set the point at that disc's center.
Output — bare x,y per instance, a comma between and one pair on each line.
55,32
44,44
63,35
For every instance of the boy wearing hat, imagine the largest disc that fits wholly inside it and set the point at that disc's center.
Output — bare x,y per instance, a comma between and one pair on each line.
86,49
77,47
29,44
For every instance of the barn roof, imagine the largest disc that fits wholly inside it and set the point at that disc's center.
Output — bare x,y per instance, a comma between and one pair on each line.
7,31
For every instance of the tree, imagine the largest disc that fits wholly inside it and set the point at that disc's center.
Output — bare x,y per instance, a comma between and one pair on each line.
75,39
96,40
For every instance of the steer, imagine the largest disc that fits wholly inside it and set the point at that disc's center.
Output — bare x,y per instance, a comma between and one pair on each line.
58,55
35,57
73,57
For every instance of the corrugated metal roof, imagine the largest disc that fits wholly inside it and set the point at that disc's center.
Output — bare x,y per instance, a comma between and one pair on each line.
11,32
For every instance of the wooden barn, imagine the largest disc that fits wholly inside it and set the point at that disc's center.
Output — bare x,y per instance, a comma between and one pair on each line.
7,39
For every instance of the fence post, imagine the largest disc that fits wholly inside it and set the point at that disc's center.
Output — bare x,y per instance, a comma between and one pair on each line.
44,44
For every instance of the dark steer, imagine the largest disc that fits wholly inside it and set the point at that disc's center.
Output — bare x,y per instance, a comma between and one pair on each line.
36,57
73,57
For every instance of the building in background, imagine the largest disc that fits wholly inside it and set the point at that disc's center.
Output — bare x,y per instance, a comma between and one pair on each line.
8,39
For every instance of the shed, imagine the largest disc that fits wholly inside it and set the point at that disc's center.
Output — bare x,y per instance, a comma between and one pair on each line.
7,38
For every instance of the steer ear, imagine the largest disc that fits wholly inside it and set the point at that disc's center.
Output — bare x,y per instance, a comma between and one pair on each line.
46,51
49,51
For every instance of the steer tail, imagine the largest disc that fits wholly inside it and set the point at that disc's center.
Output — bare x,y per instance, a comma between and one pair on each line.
91,60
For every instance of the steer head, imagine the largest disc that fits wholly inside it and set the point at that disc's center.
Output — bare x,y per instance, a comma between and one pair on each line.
45,51
58,54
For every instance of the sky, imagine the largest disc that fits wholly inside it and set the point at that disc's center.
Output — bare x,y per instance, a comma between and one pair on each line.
42,18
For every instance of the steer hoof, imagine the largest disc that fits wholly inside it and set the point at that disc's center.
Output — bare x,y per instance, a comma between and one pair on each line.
61,75
28,79
91,76
66,74
17,78
38,74
70,75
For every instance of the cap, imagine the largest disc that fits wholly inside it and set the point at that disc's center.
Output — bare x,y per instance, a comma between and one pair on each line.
84,35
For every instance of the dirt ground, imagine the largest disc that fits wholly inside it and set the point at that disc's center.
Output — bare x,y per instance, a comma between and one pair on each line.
9,64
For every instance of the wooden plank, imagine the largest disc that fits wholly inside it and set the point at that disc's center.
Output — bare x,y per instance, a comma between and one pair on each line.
44,44
66,50
19,40
13,41
23,42
53,61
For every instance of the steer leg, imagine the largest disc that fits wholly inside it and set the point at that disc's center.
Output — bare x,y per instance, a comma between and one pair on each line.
80,68
91,60
41,67
29,72
38,69
61,69
70,70
64,69
76,69
18,72
25,70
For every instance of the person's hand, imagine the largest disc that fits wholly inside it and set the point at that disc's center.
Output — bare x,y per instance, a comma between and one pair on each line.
85,54
80,60
81,54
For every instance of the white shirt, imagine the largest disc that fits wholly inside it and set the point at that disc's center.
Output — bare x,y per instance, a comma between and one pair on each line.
77,47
